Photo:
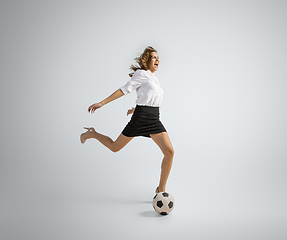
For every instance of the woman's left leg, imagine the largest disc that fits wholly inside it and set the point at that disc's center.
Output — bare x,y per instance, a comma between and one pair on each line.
114,146
164,143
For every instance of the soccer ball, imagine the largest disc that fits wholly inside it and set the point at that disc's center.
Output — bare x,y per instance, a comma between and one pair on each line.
163,203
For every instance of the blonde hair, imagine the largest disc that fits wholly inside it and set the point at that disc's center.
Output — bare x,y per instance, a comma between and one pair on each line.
143,60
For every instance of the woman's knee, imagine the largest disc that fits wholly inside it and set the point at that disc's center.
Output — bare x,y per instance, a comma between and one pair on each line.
120,143
169,152
115,148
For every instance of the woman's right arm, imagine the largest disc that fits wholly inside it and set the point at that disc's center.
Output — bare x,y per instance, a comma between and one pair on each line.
117,94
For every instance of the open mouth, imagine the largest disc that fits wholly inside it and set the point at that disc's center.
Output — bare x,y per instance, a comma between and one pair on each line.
156,65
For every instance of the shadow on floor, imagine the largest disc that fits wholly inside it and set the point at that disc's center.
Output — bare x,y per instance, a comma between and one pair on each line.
150,214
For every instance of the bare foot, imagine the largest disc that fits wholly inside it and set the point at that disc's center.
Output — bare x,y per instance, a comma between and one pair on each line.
88,134
158,190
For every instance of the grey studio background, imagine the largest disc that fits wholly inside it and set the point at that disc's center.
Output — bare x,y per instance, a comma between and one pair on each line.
223,71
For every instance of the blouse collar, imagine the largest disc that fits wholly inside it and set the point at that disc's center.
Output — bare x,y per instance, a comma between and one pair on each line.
150,72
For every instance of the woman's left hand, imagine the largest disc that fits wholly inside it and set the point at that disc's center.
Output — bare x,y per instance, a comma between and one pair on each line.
130,111
94,107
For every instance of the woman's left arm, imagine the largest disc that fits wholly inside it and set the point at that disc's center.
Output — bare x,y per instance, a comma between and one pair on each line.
117,94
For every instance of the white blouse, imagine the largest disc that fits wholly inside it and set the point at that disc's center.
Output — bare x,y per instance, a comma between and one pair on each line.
149,92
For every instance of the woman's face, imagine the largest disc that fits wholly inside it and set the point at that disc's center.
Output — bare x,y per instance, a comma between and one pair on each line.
154,62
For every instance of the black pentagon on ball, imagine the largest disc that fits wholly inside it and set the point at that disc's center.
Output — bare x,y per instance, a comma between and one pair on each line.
159,203
163,213
154,196
165,194
170,204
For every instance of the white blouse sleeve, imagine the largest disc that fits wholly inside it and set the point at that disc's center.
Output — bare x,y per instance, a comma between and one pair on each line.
132,84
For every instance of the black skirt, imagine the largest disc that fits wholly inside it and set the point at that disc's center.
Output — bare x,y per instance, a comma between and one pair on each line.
144,121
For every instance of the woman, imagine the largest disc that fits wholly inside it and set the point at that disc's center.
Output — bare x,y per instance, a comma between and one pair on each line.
145,120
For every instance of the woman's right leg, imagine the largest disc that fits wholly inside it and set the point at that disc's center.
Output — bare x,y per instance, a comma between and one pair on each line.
114,146
164,143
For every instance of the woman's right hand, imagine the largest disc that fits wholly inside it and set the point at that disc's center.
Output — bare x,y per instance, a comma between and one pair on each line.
130,111
94,107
